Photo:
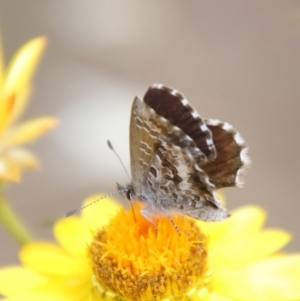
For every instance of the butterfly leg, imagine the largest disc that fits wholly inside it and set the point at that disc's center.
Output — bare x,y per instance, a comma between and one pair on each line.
148,216
165,211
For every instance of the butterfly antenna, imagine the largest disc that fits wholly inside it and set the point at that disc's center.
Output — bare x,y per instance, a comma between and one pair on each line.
92,203
112,148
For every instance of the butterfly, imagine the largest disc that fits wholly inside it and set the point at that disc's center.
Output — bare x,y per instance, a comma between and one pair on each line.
178,159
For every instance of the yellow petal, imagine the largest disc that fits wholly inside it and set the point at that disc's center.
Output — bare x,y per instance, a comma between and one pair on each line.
23,64
247,286
15,107
72,235
21,69
1,63
9,170
23,158
30,130
17,280
248,249
213,297
14,161
236,284
71,288
50,259
100,212
205,294
97,295
284,265
6,107
242,222
43,297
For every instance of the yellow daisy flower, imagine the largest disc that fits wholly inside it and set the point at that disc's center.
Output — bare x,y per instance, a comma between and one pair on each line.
14,91
109,253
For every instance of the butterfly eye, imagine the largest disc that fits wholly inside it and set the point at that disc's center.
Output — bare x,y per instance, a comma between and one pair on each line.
128,194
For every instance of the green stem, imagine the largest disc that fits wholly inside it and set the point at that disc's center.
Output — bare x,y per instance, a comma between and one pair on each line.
12,223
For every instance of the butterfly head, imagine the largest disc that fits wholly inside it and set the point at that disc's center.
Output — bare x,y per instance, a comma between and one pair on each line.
128,191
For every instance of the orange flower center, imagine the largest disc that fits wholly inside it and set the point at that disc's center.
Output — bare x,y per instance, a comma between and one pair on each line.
135,262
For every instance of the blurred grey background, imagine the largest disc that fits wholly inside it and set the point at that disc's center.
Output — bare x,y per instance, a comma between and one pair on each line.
238,61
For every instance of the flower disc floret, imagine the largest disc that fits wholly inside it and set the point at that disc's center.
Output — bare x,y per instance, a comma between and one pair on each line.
132,259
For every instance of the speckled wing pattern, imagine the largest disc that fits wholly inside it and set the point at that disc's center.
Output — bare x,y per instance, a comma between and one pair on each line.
178,159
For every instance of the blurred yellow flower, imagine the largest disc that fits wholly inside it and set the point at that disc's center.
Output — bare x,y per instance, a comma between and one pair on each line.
14,91
108,254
